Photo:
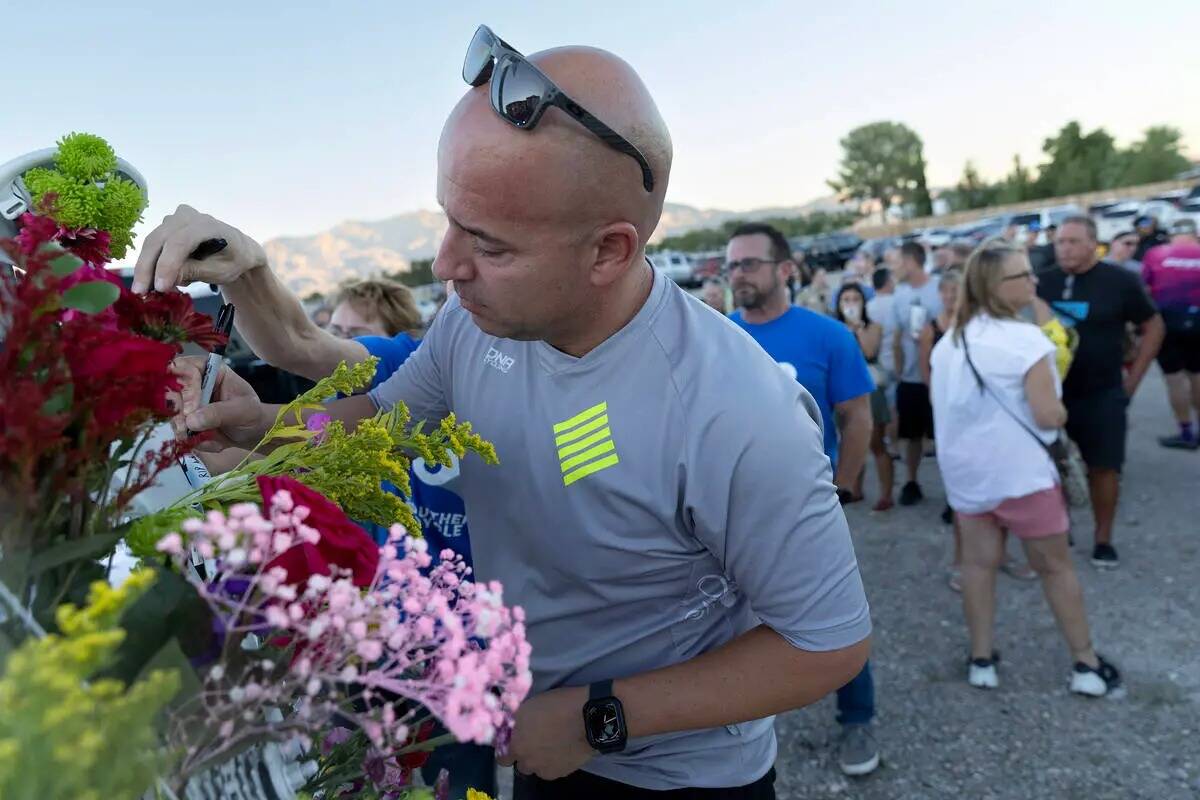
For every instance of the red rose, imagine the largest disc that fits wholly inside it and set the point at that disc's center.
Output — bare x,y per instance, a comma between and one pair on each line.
342,542
418,758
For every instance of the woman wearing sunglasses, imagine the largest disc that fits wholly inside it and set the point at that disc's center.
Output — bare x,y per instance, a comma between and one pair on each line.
996,402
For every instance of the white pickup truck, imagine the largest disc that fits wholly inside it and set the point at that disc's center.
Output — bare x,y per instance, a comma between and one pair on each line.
676,266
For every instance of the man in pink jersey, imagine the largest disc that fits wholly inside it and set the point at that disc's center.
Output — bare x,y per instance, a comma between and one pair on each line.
1172,275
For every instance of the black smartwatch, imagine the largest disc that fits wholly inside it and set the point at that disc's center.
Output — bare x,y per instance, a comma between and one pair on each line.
604,719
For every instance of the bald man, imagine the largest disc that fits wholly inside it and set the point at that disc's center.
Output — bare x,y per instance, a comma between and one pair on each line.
663,510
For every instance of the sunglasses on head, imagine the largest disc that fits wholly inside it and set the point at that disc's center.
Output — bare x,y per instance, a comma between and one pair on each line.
521,93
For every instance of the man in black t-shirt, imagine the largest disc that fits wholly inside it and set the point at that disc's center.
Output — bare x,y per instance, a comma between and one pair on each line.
1149,235
1098,299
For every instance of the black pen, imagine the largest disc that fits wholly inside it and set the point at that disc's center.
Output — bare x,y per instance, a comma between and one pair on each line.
224,326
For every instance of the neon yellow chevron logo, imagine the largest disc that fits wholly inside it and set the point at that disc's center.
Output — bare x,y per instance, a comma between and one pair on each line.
585,444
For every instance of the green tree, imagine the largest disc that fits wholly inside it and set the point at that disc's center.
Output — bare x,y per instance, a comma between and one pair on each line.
972,190
885,162
1018,186
1157,156
419,273
1078,162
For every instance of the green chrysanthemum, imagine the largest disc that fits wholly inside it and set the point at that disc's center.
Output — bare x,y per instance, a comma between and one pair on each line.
85,191
121,205
85,157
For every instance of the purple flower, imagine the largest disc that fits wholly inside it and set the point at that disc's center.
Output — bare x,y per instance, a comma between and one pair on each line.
441,787
334,738
317,423
385,773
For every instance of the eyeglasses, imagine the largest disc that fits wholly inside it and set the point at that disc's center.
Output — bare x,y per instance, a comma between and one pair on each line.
746,265
1020,276
521,93
349,333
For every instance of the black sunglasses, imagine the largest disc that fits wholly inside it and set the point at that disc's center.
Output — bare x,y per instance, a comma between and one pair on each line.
521,93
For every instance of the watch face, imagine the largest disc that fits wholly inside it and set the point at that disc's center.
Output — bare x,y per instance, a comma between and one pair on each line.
604,723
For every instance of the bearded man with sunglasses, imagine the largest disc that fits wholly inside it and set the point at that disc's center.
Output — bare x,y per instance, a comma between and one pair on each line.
663,510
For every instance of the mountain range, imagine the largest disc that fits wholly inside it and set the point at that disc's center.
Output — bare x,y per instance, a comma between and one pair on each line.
318,263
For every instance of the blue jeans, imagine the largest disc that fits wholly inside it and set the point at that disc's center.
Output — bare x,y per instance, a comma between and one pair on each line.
856,700
471,766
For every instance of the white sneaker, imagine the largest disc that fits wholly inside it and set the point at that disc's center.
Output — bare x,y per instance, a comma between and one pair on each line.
1103,681
981,673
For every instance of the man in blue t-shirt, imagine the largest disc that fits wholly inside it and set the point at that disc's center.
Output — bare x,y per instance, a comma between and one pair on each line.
823,355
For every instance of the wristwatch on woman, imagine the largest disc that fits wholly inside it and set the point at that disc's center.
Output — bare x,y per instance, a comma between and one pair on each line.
604,719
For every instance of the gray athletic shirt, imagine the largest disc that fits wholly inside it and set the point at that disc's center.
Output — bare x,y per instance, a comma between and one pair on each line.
655,499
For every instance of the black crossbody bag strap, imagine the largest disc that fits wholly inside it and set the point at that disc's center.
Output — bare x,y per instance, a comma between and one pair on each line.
1056,451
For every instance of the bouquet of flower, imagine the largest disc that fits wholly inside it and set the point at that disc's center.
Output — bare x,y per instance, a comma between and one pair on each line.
299,644
346,467
85,375
312,621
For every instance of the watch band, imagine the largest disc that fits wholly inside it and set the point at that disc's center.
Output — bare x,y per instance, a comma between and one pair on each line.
600,690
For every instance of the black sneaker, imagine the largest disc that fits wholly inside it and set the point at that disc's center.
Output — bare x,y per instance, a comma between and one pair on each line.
911,494
1102,681
1179,443
1104,556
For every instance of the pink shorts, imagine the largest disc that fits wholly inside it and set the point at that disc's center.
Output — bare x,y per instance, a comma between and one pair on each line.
1034,516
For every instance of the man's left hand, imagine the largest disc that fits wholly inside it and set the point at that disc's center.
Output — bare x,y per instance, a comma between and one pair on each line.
548,739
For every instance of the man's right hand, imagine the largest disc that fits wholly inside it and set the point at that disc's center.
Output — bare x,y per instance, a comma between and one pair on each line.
164,259
235,415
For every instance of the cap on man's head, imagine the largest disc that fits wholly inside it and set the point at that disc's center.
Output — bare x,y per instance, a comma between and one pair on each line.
1183,227
1143,221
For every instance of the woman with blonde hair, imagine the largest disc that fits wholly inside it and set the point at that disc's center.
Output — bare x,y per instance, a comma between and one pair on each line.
374,307
997,408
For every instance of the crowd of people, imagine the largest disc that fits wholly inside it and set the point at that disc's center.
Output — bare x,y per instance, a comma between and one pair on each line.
668,506
972,353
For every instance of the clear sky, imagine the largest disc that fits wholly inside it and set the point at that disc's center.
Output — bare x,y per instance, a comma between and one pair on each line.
289,117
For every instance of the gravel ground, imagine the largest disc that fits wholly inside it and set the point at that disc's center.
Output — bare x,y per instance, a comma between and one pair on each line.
939,738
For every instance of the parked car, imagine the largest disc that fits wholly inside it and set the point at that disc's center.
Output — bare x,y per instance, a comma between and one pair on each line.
676,266
877,247
1116,220
707,265
980,229
830,251
1175,197
1190,210
935,237
1042,219
1096,209
1165,211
